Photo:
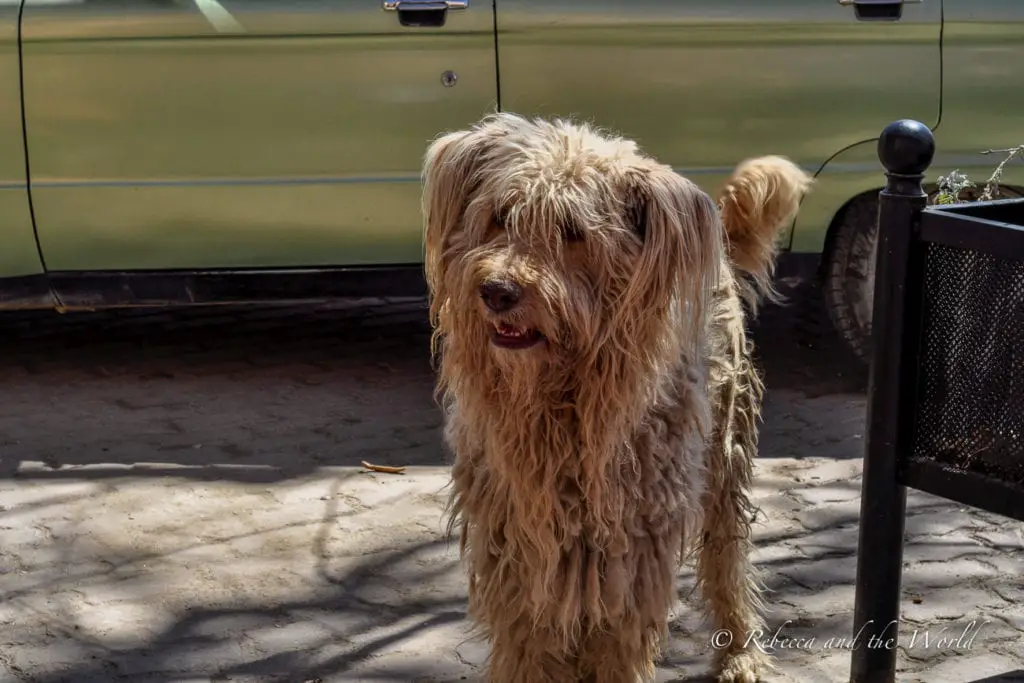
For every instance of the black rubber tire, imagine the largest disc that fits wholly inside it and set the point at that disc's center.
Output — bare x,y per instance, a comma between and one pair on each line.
849,273
848,282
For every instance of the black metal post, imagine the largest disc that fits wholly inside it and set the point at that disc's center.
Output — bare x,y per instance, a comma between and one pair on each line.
905,149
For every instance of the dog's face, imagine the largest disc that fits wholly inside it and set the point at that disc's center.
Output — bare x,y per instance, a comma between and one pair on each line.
548,241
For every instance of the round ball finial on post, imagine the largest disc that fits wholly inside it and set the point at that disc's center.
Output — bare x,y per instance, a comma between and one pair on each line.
906,148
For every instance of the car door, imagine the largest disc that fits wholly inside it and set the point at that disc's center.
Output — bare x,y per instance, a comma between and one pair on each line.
703,84
19,256
174,134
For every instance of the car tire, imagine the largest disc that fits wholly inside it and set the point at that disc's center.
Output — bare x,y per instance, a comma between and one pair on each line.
849,275
850,272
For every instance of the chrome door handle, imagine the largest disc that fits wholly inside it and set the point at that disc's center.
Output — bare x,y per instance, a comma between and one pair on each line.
878,10
423,5
423,13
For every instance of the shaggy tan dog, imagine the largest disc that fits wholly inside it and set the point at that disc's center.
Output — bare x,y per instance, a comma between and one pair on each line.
598,388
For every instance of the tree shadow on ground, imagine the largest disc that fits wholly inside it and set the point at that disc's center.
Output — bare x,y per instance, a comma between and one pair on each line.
372,592
335,632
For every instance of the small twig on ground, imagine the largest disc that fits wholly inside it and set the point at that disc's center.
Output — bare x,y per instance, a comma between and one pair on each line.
385,469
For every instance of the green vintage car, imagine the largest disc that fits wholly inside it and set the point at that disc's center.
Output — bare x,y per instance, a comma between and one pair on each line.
160,152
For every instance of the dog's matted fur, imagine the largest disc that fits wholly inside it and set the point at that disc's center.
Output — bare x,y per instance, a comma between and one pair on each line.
598,388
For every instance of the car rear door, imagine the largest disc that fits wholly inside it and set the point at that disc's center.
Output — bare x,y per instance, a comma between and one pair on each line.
703,84
241,133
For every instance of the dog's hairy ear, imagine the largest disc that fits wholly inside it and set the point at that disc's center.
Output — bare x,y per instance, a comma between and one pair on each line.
451,172
447,169
682,242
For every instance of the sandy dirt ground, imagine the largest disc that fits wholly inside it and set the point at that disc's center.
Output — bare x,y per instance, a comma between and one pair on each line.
181,499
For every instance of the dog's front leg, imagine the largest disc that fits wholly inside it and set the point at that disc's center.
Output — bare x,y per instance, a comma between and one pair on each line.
520,654
619,657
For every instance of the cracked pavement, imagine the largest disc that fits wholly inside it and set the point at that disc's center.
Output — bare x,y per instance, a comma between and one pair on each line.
182,499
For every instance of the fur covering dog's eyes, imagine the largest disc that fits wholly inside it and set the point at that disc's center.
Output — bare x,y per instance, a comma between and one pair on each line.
497,224
572,233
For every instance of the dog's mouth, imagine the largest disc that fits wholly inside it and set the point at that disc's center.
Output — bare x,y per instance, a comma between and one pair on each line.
508,336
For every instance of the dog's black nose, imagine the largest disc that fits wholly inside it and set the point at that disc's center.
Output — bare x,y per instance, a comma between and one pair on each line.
500,295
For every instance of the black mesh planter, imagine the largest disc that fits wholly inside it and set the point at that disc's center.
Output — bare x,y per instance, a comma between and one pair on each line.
968,422
945,404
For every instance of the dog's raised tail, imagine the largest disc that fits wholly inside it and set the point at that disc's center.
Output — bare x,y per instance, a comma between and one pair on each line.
759,199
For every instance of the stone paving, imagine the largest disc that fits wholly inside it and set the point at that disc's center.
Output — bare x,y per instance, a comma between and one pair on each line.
181,499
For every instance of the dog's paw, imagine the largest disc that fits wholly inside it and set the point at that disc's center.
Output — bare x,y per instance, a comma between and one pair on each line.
743,667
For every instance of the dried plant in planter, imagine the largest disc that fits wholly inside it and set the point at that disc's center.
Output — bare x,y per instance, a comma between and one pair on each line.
954,186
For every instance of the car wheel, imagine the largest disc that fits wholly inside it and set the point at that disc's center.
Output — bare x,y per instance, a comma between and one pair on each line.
850,269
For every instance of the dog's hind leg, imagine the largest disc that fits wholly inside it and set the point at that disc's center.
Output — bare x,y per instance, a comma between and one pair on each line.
725,573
